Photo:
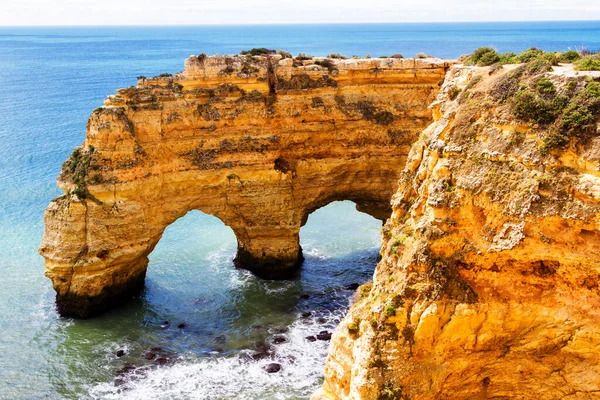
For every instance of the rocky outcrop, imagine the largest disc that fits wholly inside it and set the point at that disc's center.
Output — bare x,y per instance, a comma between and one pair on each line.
488,283
259,142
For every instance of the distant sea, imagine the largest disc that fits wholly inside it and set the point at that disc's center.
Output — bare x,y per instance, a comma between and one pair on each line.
50,81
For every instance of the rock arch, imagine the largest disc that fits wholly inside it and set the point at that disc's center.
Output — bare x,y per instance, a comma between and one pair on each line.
218,139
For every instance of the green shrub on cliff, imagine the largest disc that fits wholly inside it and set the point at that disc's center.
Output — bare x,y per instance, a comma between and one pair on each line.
538,66
577,120
390,392
509,58
76,170
258,51
545,87
390,310
303,57
569,56
284,54
483,56
588,63
327,63
529,106
529,55
593,89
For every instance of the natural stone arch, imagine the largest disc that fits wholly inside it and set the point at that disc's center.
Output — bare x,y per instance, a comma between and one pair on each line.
231,146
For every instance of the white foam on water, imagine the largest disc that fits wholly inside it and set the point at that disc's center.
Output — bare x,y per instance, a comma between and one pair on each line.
219,262
315,252
235,377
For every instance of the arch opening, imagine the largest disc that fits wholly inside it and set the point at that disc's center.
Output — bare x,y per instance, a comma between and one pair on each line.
195,242
340,244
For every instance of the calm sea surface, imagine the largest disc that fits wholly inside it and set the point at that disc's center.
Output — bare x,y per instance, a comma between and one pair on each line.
50,81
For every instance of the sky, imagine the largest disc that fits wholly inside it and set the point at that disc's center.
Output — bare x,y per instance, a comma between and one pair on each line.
201,12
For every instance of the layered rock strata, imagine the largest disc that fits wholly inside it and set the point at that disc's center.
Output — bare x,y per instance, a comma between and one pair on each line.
488,285
259,142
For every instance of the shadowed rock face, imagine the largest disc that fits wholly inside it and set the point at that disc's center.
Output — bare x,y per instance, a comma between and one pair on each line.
259,142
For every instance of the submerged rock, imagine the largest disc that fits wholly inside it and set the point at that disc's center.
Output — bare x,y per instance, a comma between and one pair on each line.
260,355
162,361
272,367
127,367
279,339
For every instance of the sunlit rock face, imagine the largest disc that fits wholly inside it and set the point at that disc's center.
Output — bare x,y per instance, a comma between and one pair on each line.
259,142
488,283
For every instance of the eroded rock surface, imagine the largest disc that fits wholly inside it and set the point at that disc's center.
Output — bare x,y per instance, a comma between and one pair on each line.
259,142
488,285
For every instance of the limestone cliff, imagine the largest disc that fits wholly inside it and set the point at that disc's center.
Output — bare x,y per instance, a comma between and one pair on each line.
258,141
488,285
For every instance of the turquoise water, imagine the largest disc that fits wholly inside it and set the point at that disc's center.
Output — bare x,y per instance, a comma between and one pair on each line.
50,81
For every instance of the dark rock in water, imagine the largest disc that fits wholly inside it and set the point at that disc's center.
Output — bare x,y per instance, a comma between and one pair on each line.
352,286
279,340
221,339
260,355
272,367
120,353
306,314
262,347
181,326
164,324
128,367
283,330
161,361
324,335
311,338
304,296
322,320
149,355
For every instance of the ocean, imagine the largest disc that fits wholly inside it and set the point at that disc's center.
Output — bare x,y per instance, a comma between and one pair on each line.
51,79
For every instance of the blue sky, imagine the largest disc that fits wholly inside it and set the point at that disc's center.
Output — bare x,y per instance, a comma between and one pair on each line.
198,12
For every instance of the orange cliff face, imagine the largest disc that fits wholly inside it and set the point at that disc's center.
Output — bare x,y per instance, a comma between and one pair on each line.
259,142
488,285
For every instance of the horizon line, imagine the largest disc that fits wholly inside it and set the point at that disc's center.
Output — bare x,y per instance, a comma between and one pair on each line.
293,23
